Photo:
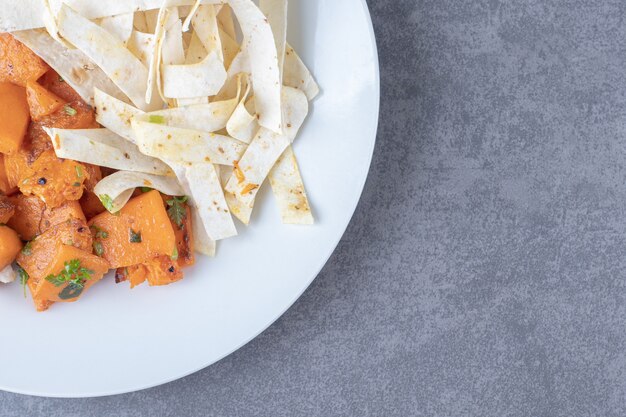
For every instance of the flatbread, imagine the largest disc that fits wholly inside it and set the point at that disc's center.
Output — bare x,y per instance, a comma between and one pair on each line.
111,55
80,72
118,188
104,148
185,145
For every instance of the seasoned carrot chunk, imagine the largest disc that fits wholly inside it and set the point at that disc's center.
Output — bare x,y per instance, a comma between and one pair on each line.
53,82
5,185
74,115
66,211
14,117
94,175
70,273
7,209
138,233
160,270
91,205
18,64
28,212
41,102
17,167
39,252
10,246
33,218
55,180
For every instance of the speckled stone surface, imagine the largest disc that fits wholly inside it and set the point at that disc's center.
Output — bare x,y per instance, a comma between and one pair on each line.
484,271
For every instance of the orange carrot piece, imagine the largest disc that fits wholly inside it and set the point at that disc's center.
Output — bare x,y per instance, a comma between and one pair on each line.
47,289
55,180
138,233
33,218
53,82
91,205
5,186
41,102
18,64
14,117
10,246
7,209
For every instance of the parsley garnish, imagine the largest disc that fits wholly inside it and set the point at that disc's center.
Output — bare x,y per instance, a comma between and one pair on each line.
177,211
79,171
145,189
72,273
97,248
23,278
27,250
69,110
106,201
135,237
156,119
174,256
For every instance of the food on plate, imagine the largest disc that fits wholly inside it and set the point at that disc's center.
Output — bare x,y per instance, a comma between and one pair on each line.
133,133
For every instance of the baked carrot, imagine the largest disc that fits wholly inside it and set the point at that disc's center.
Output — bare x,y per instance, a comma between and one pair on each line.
39,252
14,117
94,175
5,187
7,209
18,64
138,233
28,213
162,270
135,274
73,115
17,167
71,273
37,255
41,102
33,218
54,216
55,180
40,304
91,205
10,246
54,83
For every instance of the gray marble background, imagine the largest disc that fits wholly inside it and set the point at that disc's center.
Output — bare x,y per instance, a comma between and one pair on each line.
489,279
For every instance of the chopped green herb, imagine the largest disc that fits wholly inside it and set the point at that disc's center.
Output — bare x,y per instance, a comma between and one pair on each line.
177,210
61,80
135,237
79,171
23,278
69,110
145,189
107,201
27,250
174,256
76,184
97,248
156,119
100,233
72,273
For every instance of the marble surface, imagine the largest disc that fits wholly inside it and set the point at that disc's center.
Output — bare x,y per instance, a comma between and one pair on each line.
483,273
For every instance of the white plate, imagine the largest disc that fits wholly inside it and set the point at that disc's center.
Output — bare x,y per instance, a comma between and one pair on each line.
115,340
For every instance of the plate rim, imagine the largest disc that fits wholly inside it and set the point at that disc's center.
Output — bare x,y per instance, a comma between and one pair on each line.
323,260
